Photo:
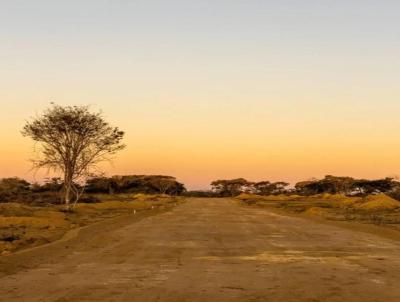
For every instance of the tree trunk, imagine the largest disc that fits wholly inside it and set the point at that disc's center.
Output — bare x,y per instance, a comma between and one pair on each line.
67,196
68,189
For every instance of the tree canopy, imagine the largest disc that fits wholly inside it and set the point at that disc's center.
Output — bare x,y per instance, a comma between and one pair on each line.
72,141
151,184
345,185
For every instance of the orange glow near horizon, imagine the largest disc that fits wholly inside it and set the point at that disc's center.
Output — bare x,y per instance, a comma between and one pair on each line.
197,160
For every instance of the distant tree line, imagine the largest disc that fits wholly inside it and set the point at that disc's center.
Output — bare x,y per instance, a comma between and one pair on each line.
13,189
17,189
234,187
329,184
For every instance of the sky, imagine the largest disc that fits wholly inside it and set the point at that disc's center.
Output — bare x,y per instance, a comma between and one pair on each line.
277,90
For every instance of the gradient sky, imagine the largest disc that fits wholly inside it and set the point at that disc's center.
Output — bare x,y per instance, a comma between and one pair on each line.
279,90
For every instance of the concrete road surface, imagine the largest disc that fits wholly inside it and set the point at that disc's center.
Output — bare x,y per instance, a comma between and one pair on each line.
208,250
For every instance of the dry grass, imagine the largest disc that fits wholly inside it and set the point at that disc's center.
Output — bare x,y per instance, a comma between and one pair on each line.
317,211
131,197
15,209
377,203
31,222
250,197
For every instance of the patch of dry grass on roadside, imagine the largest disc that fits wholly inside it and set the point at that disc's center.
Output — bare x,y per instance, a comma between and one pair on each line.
317,211
31,222
116,205
255,197
15,209
22,225
17,215
132,197
378,202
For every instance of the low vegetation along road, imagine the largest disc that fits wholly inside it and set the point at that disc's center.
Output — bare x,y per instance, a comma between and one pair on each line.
207,250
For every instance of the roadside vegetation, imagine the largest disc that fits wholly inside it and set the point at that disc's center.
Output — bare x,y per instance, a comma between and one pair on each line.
379,209
70,142
332,197
27,225
336,198
34,214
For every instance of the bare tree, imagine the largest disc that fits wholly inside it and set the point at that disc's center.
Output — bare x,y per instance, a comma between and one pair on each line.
72,141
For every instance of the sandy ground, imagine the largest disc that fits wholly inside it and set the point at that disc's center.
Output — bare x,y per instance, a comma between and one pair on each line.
207,250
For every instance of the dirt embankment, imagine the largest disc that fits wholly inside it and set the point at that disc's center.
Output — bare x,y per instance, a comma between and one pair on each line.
23,226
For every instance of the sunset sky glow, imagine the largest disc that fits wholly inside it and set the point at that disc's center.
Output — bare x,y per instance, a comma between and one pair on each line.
278,90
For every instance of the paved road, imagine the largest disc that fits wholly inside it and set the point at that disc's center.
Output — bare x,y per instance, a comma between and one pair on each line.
211,250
